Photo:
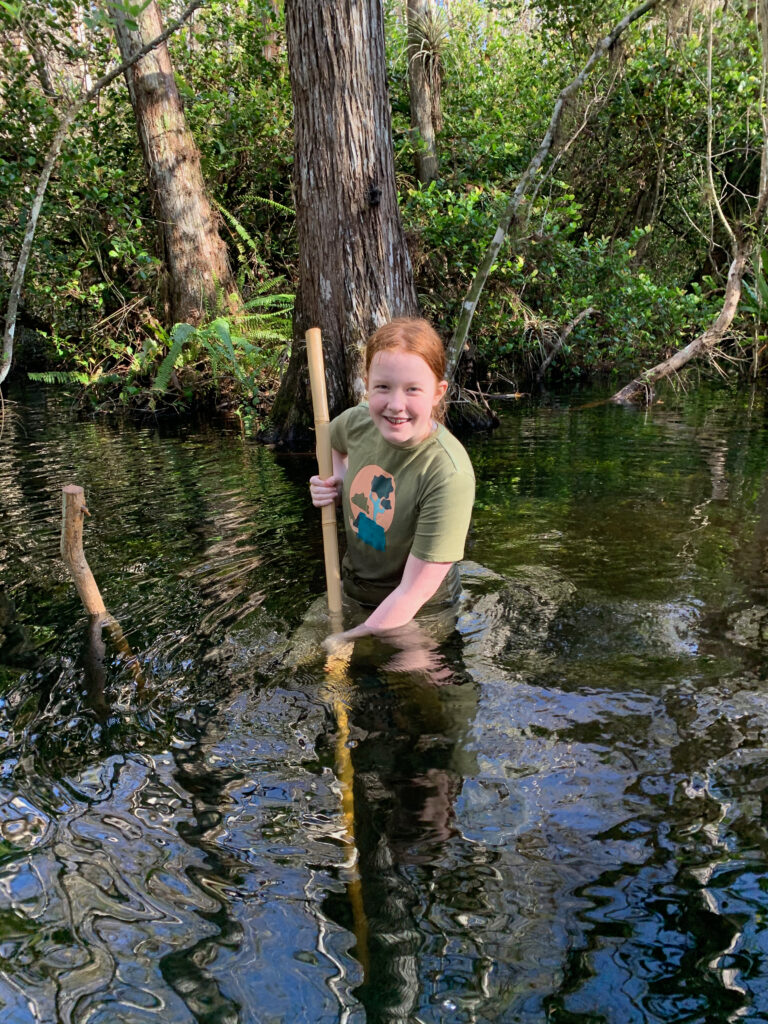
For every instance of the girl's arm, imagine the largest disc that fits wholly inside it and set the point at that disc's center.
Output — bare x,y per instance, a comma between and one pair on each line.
328,492
420,581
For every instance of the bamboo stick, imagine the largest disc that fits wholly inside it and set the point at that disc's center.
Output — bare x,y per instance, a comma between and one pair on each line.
336,666
324,466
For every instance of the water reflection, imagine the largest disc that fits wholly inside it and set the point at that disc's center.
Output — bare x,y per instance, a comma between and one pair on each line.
558,804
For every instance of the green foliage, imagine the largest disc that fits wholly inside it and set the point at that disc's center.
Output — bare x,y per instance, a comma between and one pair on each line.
60,377
247,350
622,221
623,224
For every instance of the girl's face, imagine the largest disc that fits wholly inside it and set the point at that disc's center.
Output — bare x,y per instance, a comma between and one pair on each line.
402,395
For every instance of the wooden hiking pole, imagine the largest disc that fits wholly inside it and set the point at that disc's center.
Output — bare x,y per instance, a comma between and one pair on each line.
336,664
324,468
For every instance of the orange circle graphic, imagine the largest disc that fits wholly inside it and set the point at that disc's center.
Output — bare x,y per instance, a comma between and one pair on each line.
373,492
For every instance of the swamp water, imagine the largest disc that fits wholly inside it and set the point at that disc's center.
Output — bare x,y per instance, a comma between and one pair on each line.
563,818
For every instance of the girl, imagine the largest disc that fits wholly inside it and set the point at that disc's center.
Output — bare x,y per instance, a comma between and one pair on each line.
405,484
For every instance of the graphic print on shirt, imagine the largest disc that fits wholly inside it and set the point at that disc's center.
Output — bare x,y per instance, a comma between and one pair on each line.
372,501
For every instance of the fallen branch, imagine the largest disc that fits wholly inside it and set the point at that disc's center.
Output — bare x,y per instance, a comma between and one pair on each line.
52,156
458,342
742,239
641,388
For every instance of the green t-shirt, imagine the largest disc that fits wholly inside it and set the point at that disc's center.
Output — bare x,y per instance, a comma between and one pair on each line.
398,500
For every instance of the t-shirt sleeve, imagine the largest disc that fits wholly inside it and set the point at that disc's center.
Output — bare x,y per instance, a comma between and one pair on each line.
444,517
339,432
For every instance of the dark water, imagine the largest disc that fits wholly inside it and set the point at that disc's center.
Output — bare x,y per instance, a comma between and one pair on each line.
563,817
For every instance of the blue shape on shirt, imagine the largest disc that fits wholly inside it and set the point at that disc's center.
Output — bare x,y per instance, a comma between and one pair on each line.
371,533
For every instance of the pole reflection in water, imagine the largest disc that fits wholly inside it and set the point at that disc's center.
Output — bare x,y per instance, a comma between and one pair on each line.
405,772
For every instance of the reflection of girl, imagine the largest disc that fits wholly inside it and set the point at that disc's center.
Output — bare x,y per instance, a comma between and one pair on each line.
409,760
405,483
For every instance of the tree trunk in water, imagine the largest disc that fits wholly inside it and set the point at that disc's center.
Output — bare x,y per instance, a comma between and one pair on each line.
640,390
354,270
199,277
420,91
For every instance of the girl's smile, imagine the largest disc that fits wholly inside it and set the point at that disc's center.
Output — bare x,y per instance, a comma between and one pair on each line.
402,395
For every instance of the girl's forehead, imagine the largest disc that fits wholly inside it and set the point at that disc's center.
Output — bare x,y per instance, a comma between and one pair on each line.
398,360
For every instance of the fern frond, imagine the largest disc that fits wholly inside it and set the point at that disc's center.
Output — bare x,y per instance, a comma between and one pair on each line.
269,300
258,332
272,205
60,377
221,330
262,287
180,335
238,226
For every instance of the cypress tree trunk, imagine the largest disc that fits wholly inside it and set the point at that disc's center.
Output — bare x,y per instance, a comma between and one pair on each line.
354,269
195,256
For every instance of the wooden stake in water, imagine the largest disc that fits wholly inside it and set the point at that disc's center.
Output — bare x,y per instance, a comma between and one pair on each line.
72,512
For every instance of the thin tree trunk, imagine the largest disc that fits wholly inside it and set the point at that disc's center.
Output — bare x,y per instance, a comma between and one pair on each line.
420,93
14,295
199,276
459,339
354,270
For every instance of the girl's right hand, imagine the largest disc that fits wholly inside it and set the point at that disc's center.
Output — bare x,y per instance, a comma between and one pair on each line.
325,492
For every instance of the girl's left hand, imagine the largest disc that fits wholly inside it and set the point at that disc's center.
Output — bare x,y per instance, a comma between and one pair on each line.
336,643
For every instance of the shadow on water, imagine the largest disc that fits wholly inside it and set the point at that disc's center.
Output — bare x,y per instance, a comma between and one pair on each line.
552,808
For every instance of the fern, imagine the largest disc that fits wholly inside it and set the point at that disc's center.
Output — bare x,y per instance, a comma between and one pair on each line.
273,205
180,335
60,377
270,300
243,233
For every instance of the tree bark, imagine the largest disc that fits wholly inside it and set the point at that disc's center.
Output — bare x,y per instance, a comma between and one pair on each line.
420,91
354,269
199,277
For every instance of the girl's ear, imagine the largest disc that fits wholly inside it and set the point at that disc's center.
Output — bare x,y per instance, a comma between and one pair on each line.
440,388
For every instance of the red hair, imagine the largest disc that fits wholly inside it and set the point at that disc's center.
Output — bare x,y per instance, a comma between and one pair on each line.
411,335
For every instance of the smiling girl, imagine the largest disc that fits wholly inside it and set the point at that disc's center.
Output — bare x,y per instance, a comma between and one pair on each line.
405,484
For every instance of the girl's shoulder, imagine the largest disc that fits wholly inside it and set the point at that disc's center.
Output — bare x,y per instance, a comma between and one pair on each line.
350,425
453,451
